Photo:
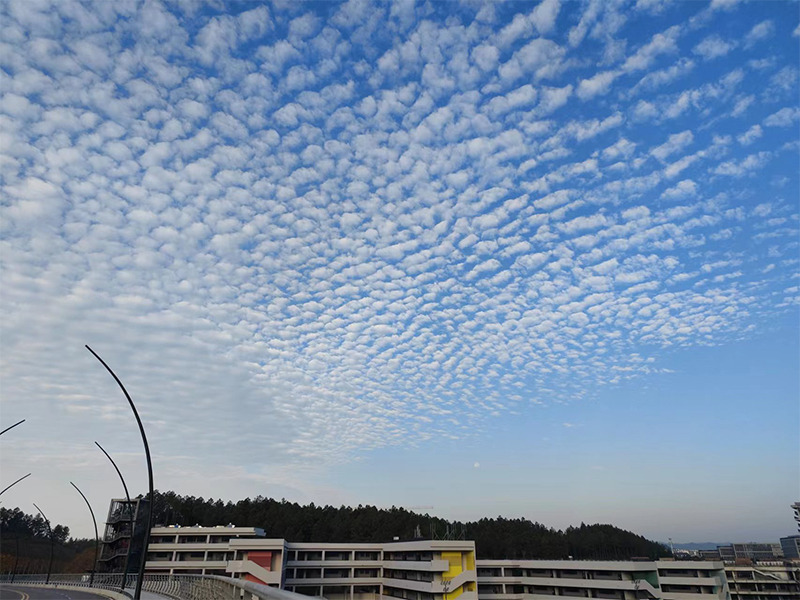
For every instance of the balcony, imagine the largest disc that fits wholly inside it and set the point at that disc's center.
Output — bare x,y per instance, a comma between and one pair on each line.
438,566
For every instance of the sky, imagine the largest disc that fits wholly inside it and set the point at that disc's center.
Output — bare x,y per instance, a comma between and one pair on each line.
531,259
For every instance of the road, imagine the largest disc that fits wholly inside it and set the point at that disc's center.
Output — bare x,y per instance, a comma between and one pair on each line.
25,592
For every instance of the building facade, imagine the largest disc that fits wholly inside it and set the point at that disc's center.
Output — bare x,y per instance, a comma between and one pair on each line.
791,547
420,569
750,551
613,580
766,580
414,570
123,538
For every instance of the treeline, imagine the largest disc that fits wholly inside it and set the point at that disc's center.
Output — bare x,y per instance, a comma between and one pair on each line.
26,545
494,538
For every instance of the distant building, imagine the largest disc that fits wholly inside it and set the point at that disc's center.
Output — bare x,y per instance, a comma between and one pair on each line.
791,546
796,509
750,551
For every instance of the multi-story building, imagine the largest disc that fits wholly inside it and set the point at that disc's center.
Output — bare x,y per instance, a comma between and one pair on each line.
765,580
614,580
223,550
791,546
420,569
796,509
414,570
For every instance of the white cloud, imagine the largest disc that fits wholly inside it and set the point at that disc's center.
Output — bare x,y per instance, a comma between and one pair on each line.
539,59
661,43
644,111
759,32
552,99
713,47
544,15
486,56
742,167
597,84
751,135
622,148
724,4
675,143
682,189
783,118
652,6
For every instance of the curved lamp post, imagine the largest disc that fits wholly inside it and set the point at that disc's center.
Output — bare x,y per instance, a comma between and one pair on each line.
13,484
130,512
16,557
138,589
12,427
96,537
52,542
21,478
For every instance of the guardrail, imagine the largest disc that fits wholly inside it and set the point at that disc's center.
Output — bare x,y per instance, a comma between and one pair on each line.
177,587
106,581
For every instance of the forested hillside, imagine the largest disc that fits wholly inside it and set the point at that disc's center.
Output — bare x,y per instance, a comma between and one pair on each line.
29,535
494,538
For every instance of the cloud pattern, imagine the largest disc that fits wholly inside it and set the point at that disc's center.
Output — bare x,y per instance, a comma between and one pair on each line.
333,228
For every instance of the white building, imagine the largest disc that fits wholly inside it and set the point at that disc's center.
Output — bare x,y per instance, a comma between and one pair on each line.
422,569
416,570
613,580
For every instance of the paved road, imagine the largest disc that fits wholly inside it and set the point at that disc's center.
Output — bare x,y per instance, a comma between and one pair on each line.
25,592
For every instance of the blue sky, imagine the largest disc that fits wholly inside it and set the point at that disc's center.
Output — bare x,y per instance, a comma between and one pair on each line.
531,259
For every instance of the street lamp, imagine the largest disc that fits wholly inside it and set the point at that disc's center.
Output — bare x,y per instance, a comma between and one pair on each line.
21,478
138,589
12,427
130,513
52,542
16,557
13,484
96,537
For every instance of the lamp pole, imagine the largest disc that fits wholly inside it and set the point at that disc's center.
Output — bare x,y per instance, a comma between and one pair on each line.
52,542
96,537
13,484
130,513
12,427
137,594
16,557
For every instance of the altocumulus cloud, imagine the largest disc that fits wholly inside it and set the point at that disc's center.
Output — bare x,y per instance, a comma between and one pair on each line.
319,230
